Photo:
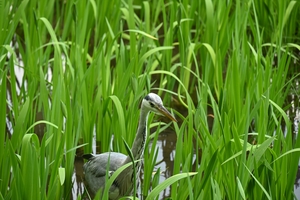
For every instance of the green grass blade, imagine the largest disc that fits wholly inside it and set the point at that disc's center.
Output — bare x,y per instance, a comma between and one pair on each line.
241,189
155,192
260,185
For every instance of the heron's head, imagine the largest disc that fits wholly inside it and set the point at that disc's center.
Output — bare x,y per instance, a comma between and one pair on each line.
154,103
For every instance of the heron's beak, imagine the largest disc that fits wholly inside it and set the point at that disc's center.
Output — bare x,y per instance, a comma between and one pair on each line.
166,113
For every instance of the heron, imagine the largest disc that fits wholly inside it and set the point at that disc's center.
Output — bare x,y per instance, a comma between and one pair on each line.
95,168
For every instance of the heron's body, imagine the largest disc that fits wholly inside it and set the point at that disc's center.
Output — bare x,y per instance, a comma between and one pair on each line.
95,173
95,168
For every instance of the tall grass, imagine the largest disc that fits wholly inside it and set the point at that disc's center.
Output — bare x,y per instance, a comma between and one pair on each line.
88,64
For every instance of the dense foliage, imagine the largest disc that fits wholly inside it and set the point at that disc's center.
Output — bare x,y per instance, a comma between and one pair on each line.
71,70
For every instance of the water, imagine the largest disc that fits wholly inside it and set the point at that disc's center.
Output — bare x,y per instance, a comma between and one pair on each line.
294,114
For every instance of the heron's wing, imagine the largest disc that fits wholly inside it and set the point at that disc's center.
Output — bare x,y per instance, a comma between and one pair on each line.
98,164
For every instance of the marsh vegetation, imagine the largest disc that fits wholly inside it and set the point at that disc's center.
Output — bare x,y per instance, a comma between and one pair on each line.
226,67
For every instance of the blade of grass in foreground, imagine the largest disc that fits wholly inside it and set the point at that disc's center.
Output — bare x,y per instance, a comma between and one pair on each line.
2,114
113,177
155,192
30,166
120,128
260,185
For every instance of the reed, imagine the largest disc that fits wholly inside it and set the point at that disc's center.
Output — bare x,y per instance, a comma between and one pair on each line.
86,65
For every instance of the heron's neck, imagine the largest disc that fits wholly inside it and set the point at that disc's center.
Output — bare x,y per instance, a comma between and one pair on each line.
140,138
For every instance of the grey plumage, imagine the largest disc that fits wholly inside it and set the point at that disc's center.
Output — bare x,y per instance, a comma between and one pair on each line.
95,168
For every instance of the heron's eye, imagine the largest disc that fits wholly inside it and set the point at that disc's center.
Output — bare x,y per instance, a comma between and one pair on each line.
151,104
